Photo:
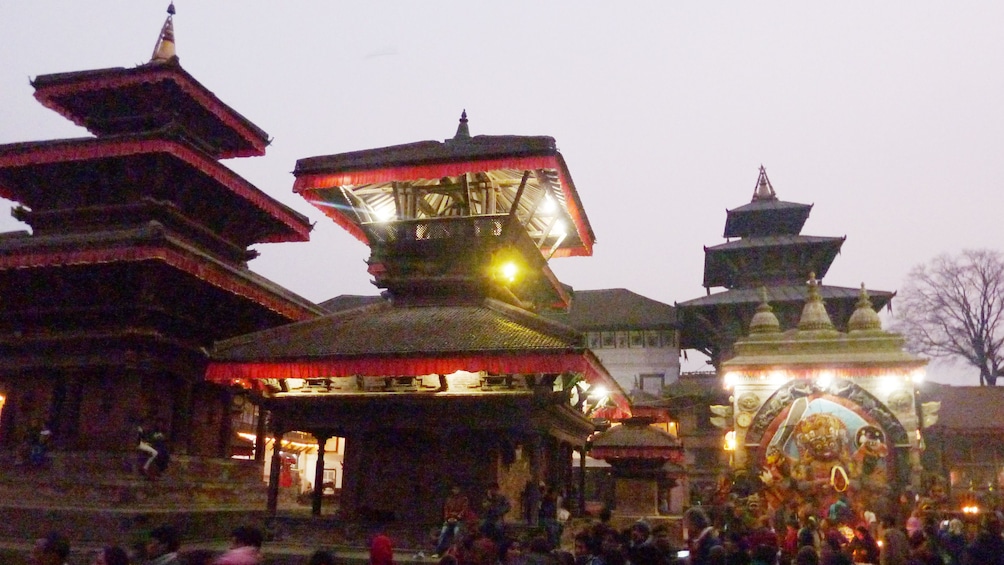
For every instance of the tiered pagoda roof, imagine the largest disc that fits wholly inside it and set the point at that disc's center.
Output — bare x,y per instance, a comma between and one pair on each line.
460,234
770,252
147,190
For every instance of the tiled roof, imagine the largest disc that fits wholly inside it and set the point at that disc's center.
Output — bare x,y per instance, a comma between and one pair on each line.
349,301
477,147
788,293
614,308
386,329
775,241
967,408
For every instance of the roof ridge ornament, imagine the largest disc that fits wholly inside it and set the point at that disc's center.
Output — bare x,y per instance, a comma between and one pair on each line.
814,315
764,190
865,317
463,132
163,51
764,321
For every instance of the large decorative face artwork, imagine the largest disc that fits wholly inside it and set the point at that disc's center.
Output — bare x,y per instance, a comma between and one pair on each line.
821,449
821,437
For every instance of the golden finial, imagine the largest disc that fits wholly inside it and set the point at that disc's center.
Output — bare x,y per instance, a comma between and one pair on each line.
864,317
814,315
764,321
163,51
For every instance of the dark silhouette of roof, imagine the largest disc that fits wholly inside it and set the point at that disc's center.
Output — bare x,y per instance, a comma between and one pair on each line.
388,329
973,409
614,309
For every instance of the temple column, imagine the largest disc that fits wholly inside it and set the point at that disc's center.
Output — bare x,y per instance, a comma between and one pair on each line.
351,468
316,496
260,435
582,481
536,447
276,467
181,418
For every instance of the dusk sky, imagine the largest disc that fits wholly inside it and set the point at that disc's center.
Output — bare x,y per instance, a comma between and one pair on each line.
887,116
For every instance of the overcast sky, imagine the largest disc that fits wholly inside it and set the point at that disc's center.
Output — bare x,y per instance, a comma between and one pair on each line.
887,116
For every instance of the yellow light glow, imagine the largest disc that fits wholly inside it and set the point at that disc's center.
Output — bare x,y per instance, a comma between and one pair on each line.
598,391
778,378
890,384
559,229
917,376
730,441
972,509
549,205
731,379
385,213
509,271
824,380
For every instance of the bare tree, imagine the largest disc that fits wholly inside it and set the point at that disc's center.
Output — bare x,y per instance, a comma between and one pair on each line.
953,307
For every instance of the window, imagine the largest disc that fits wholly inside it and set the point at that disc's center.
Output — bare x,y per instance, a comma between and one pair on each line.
637,339
652,382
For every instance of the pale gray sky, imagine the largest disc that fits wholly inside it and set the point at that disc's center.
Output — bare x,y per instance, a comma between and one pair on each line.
887,116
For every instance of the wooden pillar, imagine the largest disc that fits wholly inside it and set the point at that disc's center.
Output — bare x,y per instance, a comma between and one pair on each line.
536,447
582,480
316,496
260,435
352,468
276,467
181,418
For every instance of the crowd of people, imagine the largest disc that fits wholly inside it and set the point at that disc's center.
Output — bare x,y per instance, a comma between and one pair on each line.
920,540
162,547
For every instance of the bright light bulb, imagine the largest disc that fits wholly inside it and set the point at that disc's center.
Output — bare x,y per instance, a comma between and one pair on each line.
598,391
549,205
509,271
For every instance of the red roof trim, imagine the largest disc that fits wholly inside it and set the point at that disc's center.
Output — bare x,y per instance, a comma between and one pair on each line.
213,274
315,181
46,96
98,148
243,372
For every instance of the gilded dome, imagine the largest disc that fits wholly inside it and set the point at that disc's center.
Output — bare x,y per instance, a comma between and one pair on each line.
864,317
764,321
814,315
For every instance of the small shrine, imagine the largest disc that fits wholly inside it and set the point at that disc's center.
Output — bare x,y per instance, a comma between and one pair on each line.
453,377
824,420
638,453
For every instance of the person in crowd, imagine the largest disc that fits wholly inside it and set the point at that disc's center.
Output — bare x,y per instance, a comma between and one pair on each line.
641,549
809,535
832,553
548,516
111,555
953,542
789,546
894,548
493,511
863,548
806,556
321,557
539,552
455,510
764,555
53,549
245,547
162,546
381,550
700,536
987,547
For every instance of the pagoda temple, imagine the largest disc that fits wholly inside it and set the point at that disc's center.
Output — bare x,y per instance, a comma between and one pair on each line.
821,416
452,378
768,250
137,262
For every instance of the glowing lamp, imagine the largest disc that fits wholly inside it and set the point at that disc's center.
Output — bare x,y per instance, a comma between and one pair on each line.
598,391
824,380
509,271
731,379
730,440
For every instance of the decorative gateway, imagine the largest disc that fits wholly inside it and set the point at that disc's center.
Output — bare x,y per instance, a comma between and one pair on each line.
824,421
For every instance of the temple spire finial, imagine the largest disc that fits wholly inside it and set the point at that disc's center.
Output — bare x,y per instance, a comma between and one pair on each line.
463,132
764,190
764,321
164,51
814,315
